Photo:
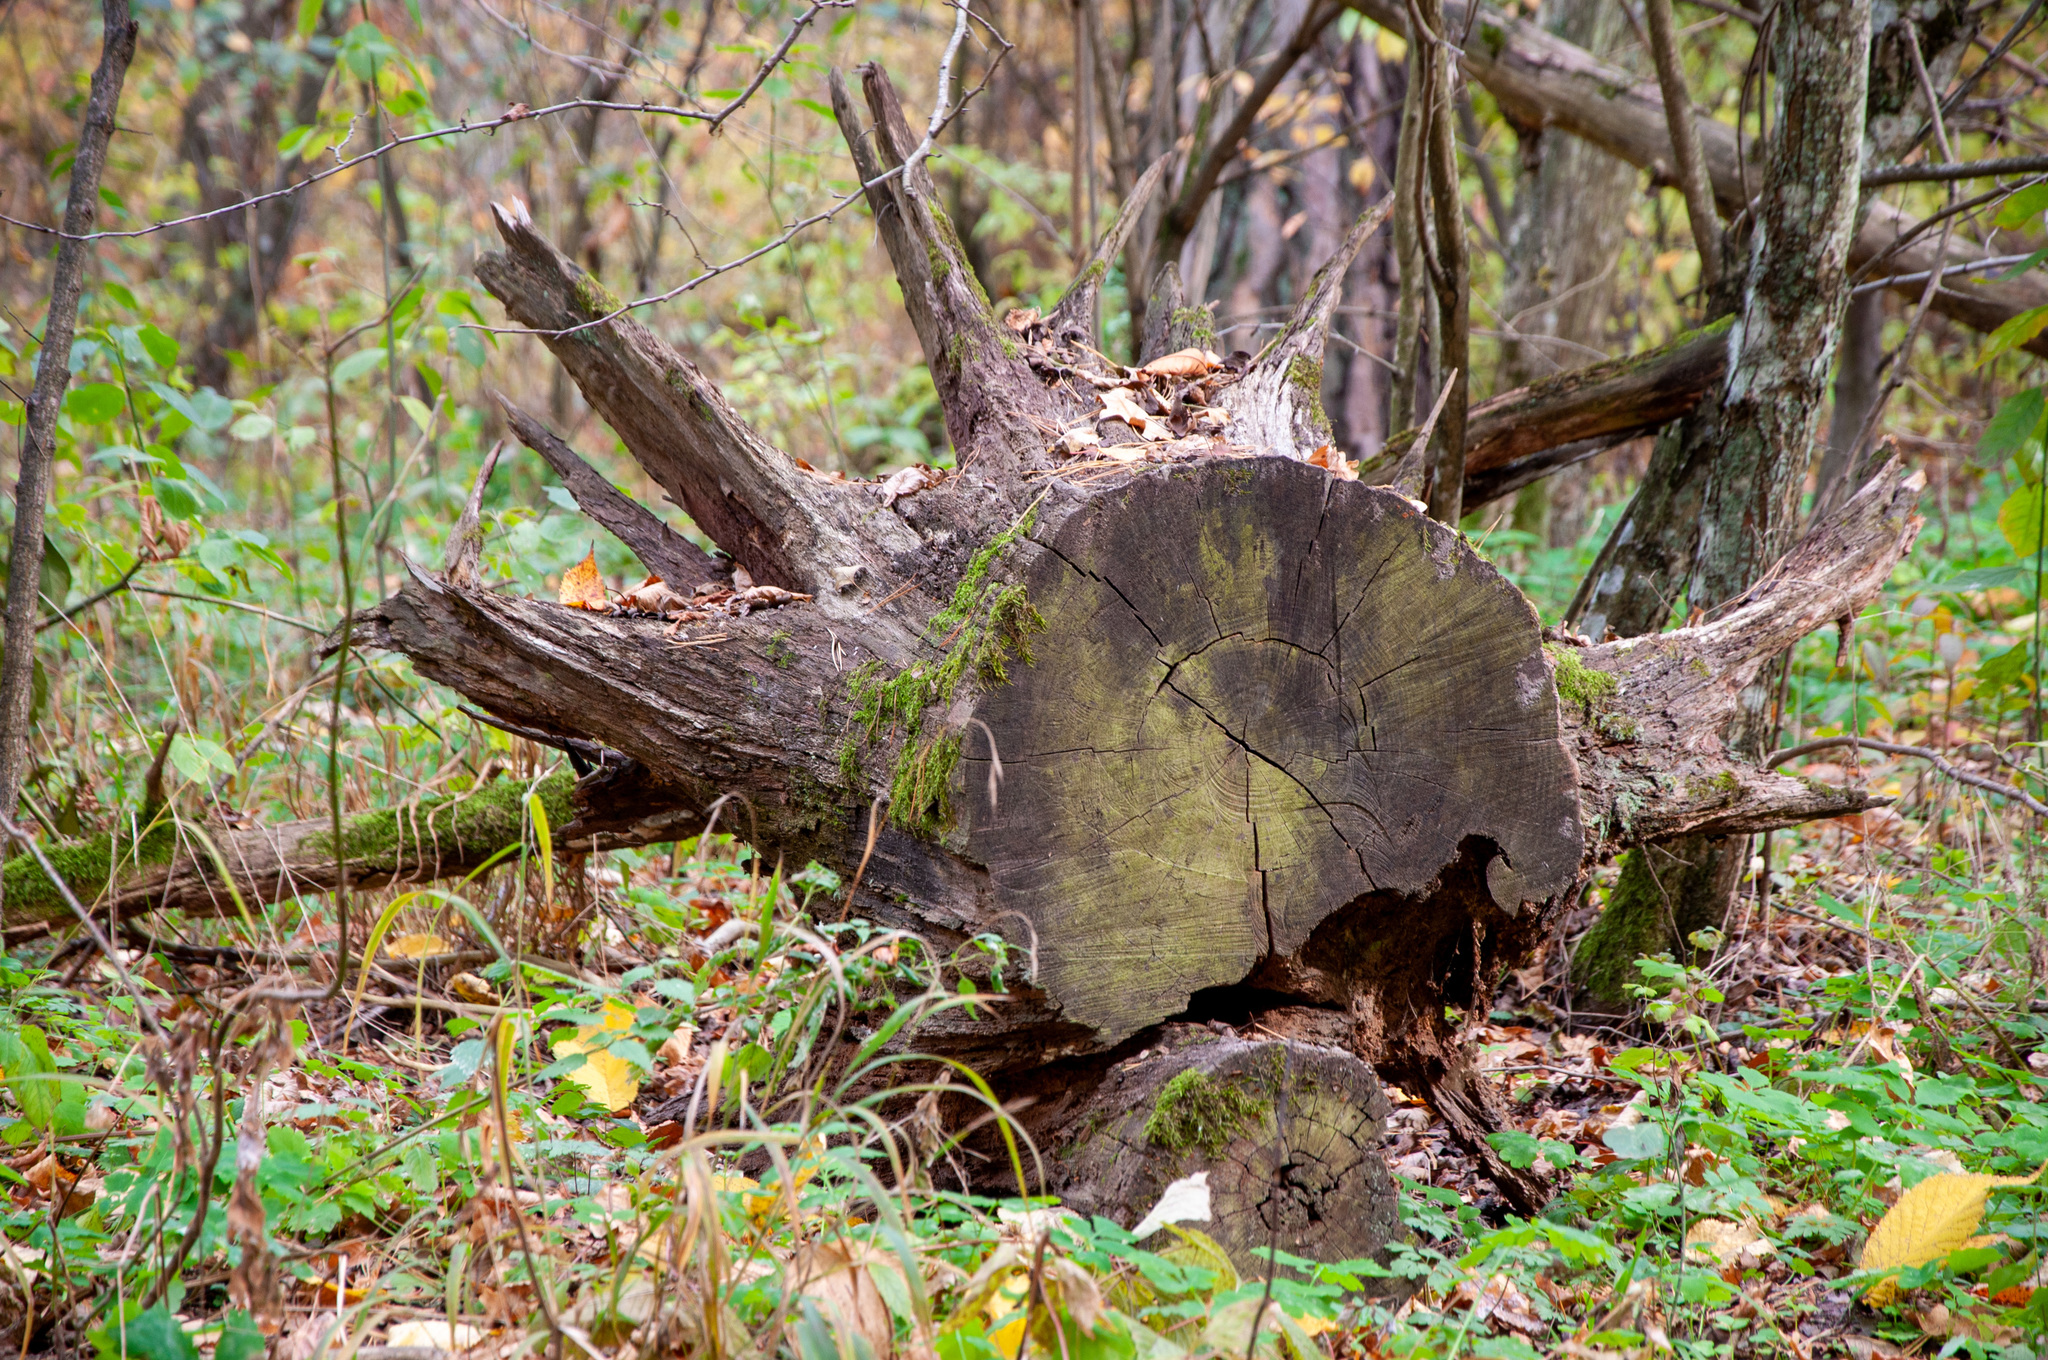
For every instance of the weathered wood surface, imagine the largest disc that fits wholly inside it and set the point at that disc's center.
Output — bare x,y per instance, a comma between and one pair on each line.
1288,1132
1262,694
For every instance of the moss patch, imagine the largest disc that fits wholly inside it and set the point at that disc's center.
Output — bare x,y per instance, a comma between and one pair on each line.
1577,682
1196,322
986,623
1194,1112
466,825
595,298
87,868
1307,374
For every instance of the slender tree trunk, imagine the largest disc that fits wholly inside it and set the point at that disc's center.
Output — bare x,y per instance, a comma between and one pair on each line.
53,376
1751,470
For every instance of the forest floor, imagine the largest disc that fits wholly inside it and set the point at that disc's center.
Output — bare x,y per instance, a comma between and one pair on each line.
1717,1167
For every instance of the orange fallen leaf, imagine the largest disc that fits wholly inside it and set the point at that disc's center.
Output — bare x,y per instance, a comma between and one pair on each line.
1186,363
582,586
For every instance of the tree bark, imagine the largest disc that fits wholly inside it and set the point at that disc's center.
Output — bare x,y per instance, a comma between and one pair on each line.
1751,466
53,376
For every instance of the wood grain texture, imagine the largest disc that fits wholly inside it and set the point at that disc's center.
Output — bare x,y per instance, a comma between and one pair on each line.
1289,1134
1262,694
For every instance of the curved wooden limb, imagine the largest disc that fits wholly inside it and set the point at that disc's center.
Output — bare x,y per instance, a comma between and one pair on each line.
788,529
1648,712
178,868
986,389
1516,437
662,550
1073,316
1277,407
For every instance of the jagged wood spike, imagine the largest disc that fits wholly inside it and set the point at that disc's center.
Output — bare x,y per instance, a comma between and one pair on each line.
986,390
1277,407
466,544
1171,325
1075,310
662,550
788,528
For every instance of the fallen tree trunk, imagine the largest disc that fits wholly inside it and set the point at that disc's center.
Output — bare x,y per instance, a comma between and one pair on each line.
1198,730
176,866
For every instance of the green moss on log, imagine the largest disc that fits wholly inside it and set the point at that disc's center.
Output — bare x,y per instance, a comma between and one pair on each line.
1307,374
1193,1111
1577,682
986,623
87,868
1196,323
456,826
595,298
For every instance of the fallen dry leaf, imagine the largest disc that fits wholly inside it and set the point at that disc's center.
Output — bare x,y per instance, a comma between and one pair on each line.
415,947
1186,363
1934,1218
1725,1243
582,586
744,602
473,989
1081,437
1021,319
653,595
1119,404
1332,458
909,481
608,1079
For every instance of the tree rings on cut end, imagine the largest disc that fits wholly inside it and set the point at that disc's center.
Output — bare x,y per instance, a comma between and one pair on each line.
1262,695
1289,1134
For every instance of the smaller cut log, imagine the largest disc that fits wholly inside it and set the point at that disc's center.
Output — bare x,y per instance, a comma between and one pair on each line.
1289,1134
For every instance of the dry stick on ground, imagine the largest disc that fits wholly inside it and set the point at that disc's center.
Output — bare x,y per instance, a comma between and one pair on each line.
53,375
1685,141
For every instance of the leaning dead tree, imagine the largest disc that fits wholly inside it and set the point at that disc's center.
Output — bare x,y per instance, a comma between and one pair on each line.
1205,729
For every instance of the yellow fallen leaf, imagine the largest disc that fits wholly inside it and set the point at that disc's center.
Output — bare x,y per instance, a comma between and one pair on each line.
1934,1218
609,1079
415,947
582,586
473,989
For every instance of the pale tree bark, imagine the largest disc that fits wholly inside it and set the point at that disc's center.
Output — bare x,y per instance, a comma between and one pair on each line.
53,376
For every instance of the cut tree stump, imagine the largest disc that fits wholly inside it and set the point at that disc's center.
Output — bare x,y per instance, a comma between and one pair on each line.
1202,732
1289,1134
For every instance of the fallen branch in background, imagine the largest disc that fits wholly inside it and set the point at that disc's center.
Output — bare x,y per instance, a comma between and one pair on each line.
1892,748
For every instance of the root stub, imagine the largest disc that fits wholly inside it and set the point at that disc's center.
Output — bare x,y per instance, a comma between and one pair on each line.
1289,1134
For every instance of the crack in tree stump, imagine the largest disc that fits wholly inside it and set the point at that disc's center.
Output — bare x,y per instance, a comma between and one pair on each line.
1262,695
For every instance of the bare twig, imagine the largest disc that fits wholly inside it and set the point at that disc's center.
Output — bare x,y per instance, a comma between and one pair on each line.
1960,775
53,375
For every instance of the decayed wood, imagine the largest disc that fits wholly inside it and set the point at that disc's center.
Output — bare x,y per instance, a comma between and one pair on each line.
1513,438
1288,1132
986,390
1074,314
1194,739
175,868
1278,406
791,530
662,550
1667,697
